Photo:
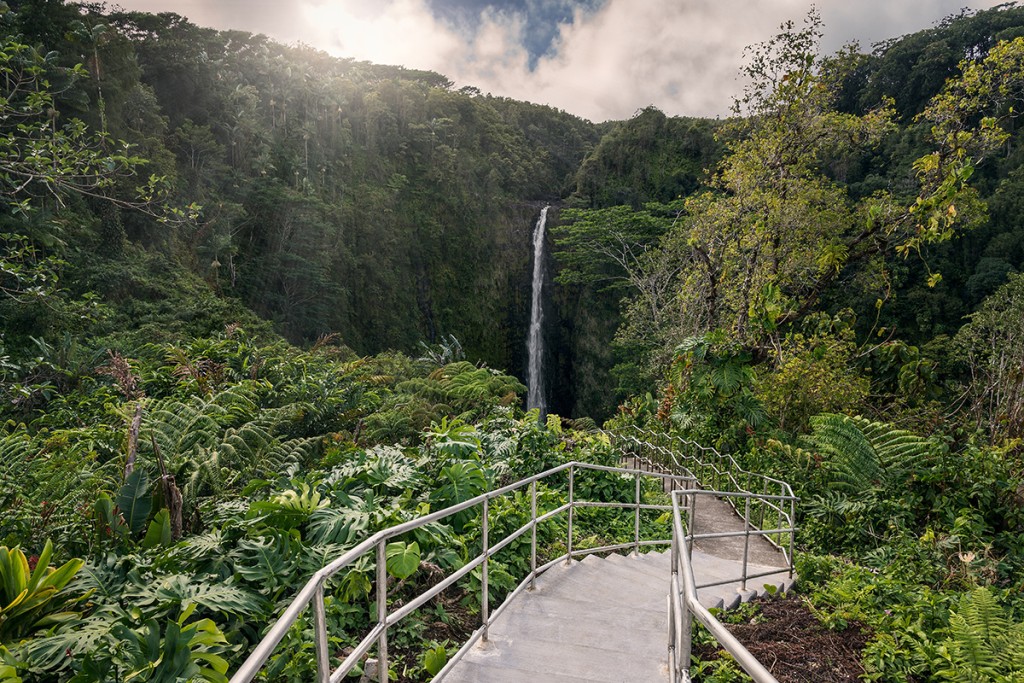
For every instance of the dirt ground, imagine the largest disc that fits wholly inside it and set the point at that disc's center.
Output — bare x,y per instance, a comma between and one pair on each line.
789,641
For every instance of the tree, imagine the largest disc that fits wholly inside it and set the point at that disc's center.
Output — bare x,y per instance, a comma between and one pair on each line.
44,161
991,346
41,159
778,230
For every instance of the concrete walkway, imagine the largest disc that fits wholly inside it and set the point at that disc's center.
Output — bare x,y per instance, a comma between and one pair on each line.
606,619
600,619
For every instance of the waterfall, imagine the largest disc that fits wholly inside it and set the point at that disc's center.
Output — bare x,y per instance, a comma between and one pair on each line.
535,379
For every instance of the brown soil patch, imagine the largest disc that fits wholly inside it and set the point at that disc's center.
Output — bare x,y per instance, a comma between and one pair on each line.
795,647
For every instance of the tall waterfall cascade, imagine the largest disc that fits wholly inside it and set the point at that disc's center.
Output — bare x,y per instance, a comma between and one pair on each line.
535,345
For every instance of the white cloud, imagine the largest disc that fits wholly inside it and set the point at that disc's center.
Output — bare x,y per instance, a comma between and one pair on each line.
401,32
682,56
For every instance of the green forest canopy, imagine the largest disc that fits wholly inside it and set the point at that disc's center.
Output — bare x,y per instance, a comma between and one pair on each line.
811,285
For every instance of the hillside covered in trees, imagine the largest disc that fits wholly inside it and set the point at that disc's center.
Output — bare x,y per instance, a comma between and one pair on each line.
258,302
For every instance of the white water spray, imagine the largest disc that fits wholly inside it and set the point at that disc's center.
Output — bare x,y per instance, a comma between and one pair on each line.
535,380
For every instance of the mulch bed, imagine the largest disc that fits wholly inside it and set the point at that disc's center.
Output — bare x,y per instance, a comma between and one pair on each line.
795,647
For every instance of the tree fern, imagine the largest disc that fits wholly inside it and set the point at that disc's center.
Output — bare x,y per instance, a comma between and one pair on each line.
898,450
848,457
179,426
16,451
282,457
859,454
983,643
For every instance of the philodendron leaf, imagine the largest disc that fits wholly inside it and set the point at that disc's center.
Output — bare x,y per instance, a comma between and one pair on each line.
434,660
402,559
134,500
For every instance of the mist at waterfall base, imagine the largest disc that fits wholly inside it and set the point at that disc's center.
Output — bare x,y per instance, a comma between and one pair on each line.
536,396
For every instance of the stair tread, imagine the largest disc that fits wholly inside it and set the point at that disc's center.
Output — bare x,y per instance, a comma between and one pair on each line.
517,652
605,618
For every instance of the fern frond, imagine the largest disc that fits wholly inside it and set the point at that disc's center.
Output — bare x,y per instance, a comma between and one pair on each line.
983,643
861,454
16,451
897,449
284,456
847,454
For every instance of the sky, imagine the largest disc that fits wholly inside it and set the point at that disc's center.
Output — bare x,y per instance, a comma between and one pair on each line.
599,59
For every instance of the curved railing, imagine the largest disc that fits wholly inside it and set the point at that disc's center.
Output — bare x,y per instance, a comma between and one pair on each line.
771,502
313,592
720,477
673,470
684,607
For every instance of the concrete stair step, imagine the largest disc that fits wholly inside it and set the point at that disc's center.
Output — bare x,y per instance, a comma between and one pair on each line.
616,586
486,672
575,610
604,619
611,630
524,654
628,564
651,567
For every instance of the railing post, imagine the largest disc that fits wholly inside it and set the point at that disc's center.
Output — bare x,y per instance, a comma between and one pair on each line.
533,539
685,635
484,595
673,598
686,642
746,539
636,519
323,665
568,540
382,611
673,667
792,531
763,502
691,520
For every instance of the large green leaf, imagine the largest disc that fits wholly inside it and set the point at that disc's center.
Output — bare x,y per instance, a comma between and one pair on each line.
159,532
270,563
184,590
462,481
434,660
402,559
30,601
134,500
88,635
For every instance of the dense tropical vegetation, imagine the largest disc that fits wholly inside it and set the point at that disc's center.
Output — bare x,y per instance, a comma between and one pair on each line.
253,295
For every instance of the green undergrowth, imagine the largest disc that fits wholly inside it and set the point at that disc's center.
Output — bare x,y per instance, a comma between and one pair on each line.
187,493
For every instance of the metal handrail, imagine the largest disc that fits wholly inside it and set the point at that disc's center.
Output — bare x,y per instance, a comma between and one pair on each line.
683,601
711,469
728,467
313,591
684,607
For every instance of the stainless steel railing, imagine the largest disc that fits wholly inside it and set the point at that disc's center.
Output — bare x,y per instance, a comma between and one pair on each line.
684,606
776,512
771,502
313,591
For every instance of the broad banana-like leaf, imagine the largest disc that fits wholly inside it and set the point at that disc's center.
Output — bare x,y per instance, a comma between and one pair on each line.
159,532
134,500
